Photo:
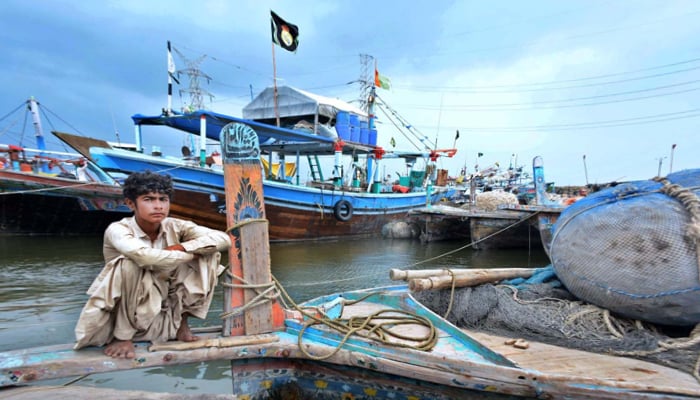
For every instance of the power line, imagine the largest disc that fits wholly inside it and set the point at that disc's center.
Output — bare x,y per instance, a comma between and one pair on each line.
489,89
553,103
692,113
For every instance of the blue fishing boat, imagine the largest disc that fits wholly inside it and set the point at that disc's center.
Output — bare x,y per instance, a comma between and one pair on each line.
352,201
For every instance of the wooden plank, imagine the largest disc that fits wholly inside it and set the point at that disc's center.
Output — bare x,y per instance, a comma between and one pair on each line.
255,257
90,393
214,342
53,362
573,365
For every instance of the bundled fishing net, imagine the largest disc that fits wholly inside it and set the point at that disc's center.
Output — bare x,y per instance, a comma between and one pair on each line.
633,249
541,309
489,201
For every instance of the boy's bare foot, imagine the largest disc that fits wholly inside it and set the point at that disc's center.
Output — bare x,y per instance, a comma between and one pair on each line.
184,334
121,349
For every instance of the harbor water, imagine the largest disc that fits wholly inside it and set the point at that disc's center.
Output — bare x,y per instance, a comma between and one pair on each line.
43,282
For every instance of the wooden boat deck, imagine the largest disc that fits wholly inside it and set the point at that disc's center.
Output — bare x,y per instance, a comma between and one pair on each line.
461,359
565,362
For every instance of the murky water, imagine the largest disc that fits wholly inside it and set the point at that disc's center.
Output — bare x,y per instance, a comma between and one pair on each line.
43,282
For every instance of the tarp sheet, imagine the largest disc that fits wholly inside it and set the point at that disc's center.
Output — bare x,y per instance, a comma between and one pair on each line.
293,102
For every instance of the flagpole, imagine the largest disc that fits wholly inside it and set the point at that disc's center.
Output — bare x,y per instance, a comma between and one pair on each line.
170,83
274,83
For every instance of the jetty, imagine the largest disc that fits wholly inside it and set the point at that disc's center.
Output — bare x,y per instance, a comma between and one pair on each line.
508,227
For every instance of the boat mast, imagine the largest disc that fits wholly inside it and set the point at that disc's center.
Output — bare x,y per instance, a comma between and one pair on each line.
376,185
38,132
34,108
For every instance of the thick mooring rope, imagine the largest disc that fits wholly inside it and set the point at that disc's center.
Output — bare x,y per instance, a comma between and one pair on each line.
376,326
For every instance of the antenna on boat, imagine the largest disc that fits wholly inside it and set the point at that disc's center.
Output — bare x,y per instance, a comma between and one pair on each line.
114,124
437,131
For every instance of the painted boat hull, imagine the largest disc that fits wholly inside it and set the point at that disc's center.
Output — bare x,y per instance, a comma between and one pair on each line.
35,204
295,212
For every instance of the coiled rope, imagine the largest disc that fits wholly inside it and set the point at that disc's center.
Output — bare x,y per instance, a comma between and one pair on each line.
376,326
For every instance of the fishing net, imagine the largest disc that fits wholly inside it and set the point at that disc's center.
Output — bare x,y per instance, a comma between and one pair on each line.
491,201
633,249
542,309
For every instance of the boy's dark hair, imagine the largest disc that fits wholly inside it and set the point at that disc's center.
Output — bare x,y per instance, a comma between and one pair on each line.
139,183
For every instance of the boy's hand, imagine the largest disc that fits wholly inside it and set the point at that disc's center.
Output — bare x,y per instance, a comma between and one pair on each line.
176,247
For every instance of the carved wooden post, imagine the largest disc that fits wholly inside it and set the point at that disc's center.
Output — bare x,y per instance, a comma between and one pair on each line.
249,257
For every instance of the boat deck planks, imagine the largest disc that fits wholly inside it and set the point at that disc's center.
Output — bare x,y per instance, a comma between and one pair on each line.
90,393
570,362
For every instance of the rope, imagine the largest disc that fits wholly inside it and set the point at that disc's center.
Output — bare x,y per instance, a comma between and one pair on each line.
691,203
452,292
476,241
245,222
49,188
408,266
262,296
673,344
376,327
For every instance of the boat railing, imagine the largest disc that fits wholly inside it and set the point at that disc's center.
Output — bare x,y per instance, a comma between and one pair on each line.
52,163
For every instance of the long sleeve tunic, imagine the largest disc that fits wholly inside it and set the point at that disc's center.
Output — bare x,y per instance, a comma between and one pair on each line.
143,289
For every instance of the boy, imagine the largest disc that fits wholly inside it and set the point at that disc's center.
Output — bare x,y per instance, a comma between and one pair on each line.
159,271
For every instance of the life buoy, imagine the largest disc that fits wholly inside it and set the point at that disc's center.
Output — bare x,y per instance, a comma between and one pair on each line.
342,210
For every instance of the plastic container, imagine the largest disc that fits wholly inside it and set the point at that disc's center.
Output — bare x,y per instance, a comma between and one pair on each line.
364,132
342,118
354,133
372,140
342,125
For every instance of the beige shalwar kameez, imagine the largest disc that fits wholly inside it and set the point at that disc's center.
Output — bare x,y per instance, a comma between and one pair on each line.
143,290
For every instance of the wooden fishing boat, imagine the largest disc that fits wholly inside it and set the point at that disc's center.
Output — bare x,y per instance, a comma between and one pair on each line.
336,208
45,192
460,362
377,343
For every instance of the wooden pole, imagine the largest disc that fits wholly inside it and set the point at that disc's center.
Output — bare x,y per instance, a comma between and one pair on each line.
470,277
407,275
274,85
249,256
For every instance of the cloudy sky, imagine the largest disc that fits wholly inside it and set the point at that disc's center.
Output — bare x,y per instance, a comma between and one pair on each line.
600,89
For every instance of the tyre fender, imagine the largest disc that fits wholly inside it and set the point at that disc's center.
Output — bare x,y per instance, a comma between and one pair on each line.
342,210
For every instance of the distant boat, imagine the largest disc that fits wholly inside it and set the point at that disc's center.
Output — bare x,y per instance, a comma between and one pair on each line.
321,209
46,192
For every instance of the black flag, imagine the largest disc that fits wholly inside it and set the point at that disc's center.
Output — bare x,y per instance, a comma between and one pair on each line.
284,34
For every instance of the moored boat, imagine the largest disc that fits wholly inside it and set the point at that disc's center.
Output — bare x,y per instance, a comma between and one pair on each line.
46,192
343,206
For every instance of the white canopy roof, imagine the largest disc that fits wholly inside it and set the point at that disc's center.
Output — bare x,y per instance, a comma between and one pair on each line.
292,102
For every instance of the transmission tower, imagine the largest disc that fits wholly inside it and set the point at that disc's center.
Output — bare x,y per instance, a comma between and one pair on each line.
195,92
366,79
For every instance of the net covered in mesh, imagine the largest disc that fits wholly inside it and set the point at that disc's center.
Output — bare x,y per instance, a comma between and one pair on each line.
548,313
633,249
